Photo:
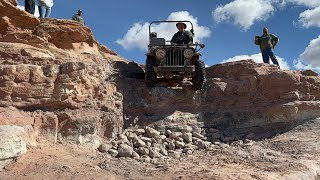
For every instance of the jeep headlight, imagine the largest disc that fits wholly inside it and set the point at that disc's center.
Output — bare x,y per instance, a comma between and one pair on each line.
160,53
188,53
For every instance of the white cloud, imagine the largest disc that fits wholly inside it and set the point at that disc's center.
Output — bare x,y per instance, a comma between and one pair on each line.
307,3
258,58
310,18
138,35
244,13
310,58
36,13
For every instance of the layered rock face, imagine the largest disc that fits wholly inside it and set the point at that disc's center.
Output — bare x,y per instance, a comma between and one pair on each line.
55,78
242,99
59,83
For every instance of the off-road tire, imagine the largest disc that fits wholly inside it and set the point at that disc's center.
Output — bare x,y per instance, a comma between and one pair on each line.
200,75
150,75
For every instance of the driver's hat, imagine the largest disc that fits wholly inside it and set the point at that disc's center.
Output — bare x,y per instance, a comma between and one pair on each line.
185,26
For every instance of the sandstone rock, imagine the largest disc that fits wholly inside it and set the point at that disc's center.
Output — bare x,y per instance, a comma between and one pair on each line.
146,139
113,152
125,151
13,2
175,135
122,137
13,19
9,116
12,143
171,146
163,151
168,133
152,133
200,144
309,72
104,148
198,135
133,137
154,153
142,151
153,161
292,96
187,137
135,155
186,129
188,151
163,137
191,146
179,144
167,140
139,131
139,143
176,154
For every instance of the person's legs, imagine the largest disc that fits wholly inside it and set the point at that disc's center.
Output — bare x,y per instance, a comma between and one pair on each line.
48,12
42,11
29,6
265,56
273,57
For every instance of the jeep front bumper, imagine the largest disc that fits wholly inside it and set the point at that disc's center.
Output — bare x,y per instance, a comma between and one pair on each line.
159,69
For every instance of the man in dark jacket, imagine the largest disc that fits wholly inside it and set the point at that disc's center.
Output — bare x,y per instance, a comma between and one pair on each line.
267,43
29,6
78,17
182,36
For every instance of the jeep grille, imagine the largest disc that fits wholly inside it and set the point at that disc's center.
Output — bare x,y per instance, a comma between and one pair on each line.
174,57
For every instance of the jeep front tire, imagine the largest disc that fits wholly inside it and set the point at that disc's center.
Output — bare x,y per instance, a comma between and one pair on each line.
200,75
150,75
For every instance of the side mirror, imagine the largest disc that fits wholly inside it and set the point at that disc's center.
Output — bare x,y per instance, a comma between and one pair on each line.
202,45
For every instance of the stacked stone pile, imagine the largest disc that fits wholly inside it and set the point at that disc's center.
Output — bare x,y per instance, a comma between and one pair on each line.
149,144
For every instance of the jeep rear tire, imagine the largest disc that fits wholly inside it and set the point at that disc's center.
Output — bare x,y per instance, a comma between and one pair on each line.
150,75
200,76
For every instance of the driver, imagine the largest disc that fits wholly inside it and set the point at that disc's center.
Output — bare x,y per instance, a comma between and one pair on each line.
182,36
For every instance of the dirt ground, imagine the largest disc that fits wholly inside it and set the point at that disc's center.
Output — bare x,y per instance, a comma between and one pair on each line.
293,155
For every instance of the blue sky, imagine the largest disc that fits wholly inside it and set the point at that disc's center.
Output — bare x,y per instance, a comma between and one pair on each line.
226,27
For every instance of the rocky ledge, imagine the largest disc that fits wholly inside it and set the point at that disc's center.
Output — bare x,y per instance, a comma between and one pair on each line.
61,85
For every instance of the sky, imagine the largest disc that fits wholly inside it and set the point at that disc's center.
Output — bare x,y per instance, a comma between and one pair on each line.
226,27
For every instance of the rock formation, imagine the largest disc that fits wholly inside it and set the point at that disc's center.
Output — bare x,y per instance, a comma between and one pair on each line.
55,79
57,82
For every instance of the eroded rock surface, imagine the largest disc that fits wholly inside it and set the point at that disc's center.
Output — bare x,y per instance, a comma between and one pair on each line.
241,99
59,84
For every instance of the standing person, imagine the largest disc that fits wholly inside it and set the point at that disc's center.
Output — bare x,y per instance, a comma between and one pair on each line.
45,8
30,6
267,43
78,17
182,36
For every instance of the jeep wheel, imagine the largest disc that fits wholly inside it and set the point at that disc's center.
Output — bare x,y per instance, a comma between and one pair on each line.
150,75
200,75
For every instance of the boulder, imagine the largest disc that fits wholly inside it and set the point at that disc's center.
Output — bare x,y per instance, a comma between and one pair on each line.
309,72
125,151
179,144
187,137
152,133
142,151
139,143
104,148
12,143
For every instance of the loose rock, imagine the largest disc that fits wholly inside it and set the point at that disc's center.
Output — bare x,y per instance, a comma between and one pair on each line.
104,148
125,151
152,133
